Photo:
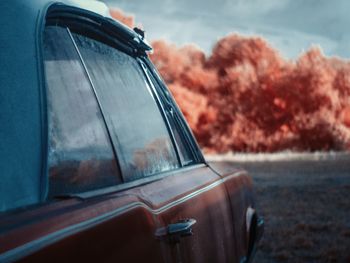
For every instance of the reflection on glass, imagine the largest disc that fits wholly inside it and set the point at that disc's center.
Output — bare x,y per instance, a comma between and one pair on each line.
80,154
138,130
183,146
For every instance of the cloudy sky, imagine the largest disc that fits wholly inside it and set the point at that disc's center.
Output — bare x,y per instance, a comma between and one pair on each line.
291,26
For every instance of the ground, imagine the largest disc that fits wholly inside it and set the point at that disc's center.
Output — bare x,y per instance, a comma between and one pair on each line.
306,206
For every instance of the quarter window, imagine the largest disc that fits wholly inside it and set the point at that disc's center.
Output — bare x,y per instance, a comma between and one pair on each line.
80,154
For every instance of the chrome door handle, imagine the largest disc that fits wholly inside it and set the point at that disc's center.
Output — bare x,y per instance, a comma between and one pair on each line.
173,232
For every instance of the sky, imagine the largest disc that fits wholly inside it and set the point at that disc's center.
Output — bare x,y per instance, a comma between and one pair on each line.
291,26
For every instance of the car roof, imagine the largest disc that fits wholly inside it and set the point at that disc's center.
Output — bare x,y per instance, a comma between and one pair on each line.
23,132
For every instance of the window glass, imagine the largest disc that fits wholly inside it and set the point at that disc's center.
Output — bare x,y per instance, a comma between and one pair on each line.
80,154
138,131
184,148
182,144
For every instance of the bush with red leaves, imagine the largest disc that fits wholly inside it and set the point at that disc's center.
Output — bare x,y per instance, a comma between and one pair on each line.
245,97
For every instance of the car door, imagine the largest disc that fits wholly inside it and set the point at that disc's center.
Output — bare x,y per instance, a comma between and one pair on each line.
149,144
245,221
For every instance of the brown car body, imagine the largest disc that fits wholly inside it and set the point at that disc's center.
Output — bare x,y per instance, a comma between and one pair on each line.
204,212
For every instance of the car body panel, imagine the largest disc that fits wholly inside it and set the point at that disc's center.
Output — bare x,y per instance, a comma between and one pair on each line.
239,186
64,230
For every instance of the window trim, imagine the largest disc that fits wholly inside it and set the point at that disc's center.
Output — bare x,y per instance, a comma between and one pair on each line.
132,184
123,35
185,130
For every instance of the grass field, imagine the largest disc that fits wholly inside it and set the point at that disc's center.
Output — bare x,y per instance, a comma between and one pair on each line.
306,206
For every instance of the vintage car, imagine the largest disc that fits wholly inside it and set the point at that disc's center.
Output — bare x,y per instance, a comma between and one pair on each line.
97,163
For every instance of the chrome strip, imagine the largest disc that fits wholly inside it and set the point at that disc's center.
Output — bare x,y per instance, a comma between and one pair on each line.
137,183
35,245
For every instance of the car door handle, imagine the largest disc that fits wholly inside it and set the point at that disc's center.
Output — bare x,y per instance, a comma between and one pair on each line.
174,232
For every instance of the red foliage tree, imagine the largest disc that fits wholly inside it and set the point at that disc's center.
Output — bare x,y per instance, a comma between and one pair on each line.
246,97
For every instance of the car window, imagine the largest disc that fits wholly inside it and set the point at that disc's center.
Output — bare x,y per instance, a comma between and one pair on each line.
184,149
137,127
80,154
